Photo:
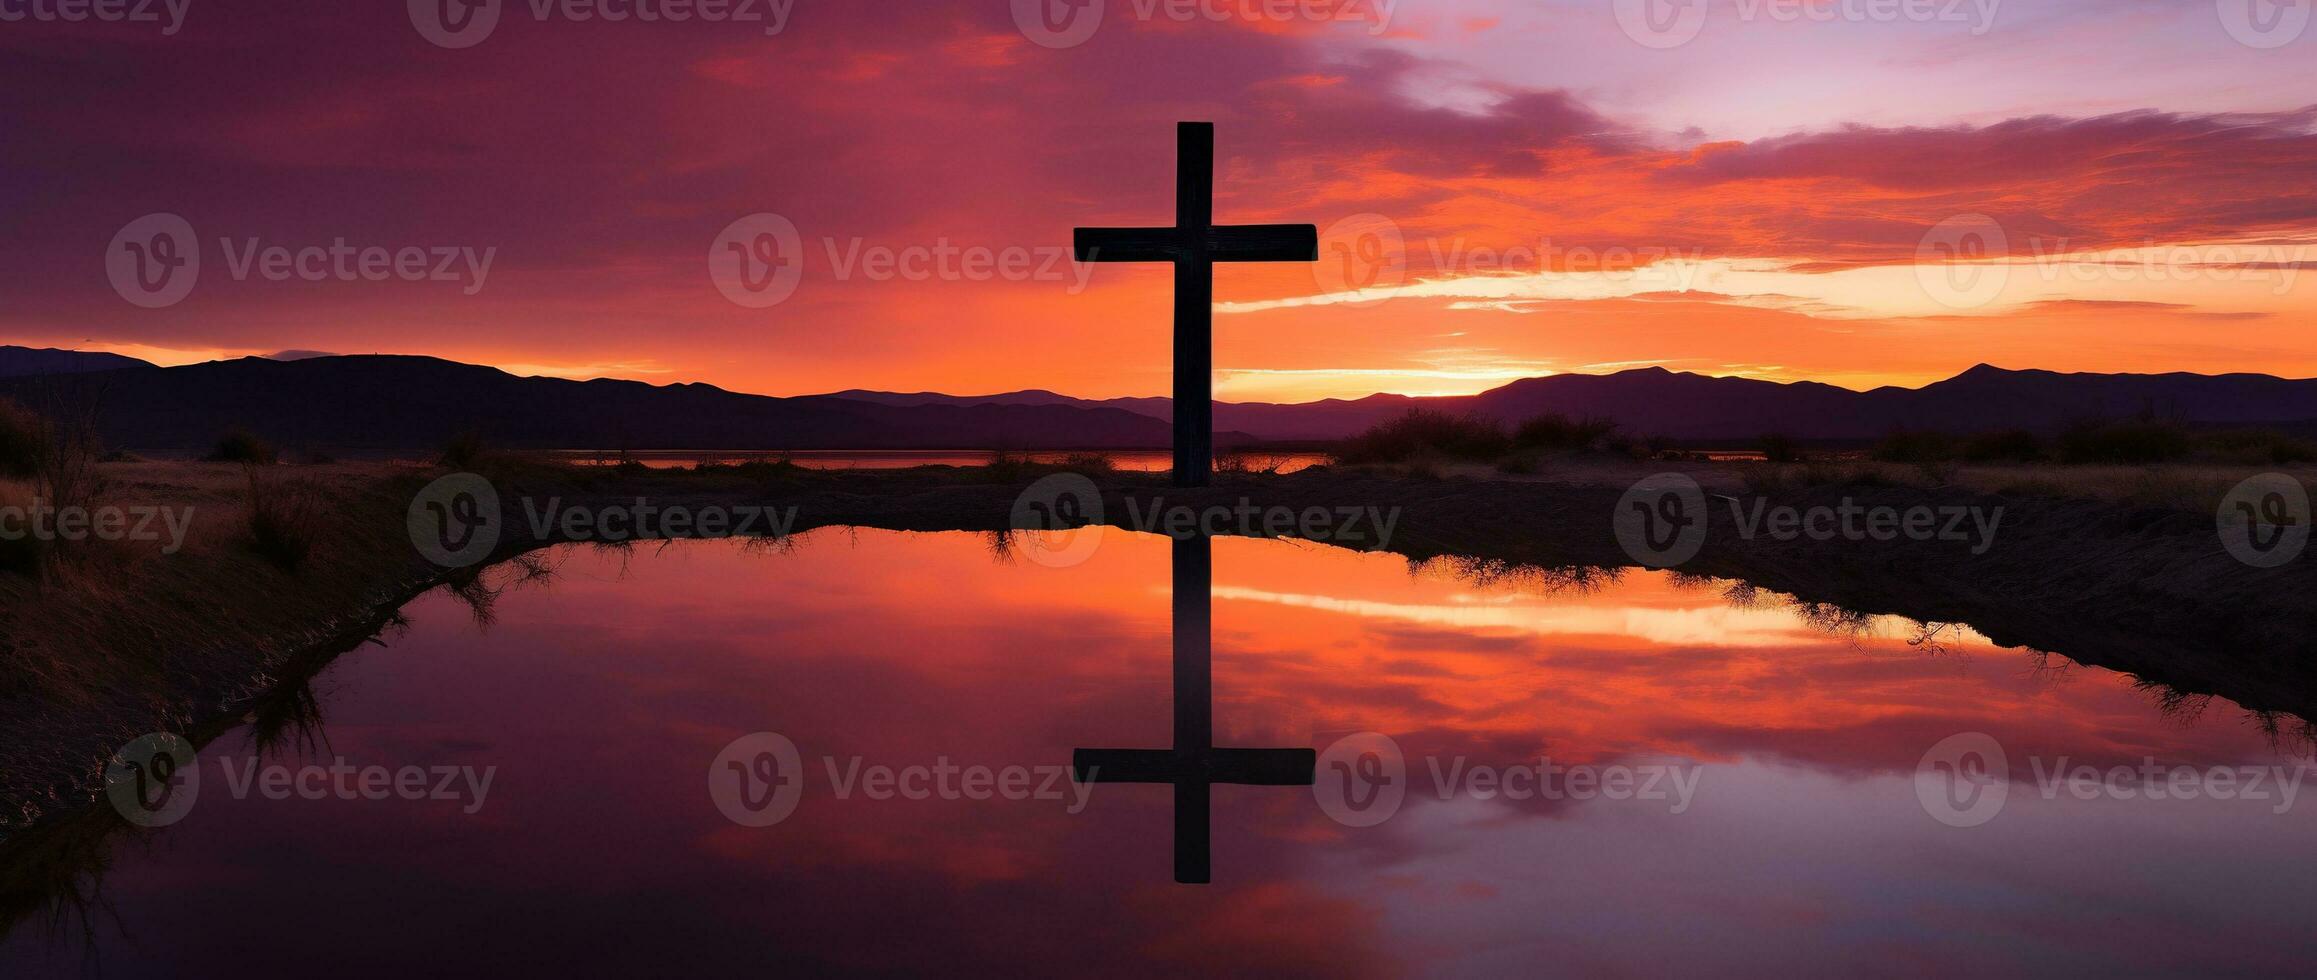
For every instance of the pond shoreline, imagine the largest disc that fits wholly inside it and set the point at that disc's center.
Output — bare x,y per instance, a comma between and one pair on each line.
2146,592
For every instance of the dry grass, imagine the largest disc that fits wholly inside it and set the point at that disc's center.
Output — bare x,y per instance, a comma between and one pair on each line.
109,605
284,517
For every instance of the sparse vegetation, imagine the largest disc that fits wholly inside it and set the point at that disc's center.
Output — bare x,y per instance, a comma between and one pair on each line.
464,450
1423,432
283,519
1554,431
2142,441
1916,446
22,436
240,446
2005,446
782,468
2137,441
1640,447
19,555
57,455
1250,463
1777,448
1091,464
2256,447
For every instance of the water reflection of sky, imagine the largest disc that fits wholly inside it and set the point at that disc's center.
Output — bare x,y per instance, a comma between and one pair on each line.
602,697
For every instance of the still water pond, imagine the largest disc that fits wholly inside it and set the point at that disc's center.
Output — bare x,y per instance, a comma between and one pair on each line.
1633,775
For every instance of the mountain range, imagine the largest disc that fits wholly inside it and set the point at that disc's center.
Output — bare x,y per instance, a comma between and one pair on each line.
399,403
1693,407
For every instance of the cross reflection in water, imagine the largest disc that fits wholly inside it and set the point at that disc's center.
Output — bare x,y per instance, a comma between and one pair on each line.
1194,763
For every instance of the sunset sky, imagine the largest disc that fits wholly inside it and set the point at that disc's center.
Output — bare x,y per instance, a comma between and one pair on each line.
1504,189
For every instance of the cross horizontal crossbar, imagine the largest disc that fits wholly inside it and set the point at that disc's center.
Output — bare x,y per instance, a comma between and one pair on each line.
1246,767
1224,243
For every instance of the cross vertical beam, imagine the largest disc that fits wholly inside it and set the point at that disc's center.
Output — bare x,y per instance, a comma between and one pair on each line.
1195,313
1194,245
1194,764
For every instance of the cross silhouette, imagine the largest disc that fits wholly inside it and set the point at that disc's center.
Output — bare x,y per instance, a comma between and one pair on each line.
1194,764
1194,245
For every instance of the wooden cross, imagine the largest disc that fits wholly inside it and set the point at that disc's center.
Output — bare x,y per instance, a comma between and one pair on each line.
1194,764
1194,245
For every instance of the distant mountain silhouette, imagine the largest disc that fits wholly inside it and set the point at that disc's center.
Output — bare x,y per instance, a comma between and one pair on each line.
388,403
1689,406
1655,401
17,362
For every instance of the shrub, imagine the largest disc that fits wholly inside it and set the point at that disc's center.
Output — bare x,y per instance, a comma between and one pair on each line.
239,446
283,520
1243,462
464,450
1915,446
57,453
2257,446
21,554
2139,441
23,438
1092,464
2005,446
1557,431
1641,447
1426,432
1779,448
780,468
